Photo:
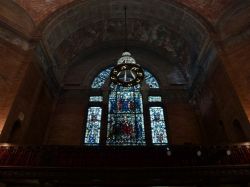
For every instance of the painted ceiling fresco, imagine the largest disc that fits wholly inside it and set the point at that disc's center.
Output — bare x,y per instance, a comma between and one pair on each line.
149,33
171,27
39,10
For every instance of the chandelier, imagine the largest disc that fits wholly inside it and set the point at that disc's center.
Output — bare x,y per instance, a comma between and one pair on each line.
126,73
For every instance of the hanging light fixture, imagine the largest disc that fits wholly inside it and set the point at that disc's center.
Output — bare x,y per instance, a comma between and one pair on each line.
126,73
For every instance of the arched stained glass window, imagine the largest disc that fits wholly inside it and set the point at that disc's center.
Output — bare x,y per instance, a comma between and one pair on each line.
92,134
101,78
125,118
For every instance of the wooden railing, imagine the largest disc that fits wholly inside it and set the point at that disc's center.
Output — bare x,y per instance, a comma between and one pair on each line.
157,165
162,156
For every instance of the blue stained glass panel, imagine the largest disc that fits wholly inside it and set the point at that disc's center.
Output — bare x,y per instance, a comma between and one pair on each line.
99,81
126,129
154,98
158,126
95,99
92,134
150,80
101,78
125,125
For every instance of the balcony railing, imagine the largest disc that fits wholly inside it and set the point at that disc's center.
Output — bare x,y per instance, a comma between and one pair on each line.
158,162
82,156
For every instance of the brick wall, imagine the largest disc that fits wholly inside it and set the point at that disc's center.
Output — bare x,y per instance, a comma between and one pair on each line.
183,124
26,97
238,67
66,124
219,106
14,63
234,34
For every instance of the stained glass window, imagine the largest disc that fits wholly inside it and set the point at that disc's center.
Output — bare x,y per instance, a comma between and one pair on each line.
150,80
125,125
92,134
99,81
101,78
154,98
125,119
95,99
158,126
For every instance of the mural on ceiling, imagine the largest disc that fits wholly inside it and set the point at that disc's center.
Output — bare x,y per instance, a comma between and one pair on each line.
148,33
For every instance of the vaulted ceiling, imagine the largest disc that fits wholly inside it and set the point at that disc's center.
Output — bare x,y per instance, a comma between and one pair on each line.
179,31
40,10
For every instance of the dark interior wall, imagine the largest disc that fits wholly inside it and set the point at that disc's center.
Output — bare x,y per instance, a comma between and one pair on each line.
183,123
67,120
14,64
234,33
238,66
224,103
36,131
219,106
28,99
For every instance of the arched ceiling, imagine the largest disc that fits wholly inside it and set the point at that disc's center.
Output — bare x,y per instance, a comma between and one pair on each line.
39,10
176,33
177,30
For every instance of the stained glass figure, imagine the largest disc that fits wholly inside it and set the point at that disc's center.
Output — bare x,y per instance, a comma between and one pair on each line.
92,135
95,99
154,98
158,126
125,124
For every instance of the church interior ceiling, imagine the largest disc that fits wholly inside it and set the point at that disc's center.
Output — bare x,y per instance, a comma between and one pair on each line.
179,31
